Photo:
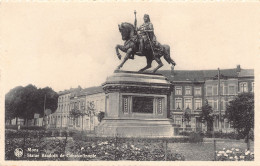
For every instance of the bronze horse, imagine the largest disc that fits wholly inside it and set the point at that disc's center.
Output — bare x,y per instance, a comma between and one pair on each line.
131,46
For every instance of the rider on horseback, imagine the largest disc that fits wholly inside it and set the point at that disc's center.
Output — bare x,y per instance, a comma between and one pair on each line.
145,29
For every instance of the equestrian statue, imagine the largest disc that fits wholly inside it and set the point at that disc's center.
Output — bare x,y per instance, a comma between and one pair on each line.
142,42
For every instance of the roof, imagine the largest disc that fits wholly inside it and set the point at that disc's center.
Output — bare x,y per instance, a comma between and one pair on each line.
69,90
93,90
196,75
246,73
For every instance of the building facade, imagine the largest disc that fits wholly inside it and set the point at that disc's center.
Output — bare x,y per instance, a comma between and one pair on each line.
191,89
218,87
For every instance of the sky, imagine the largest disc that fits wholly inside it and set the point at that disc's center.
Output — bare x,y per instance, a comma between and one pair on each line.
63,45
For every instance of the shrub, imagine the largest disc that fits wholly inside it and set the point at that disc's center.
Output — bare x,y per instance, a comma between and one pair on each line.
71,133
64,133
195,137
56,133
48,133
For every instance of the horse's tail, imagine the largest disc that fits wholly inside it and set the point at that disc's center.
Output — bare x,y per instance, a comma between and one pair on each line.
167,56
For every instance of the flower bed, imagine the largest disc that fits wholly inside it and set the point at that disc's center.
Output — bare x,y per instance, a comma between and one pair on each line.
88,148
120,149
234,155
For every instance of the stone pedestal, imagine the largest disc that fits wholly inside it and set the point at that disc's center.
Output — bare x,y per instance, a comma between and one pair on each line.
137,105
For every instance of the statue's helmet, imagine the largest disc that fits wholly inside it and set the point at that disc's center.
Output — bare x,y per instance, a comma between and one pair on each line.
147,16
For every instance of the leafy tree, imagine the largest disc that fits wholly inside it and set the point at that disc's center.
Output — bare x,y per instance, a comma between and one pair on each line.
206,116
186,117
240,114
101,115
24,102
74,114
13,103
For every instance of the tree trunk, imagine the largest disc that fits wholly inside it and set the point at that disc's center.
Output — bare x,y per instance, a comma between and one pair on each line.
82,123
247,142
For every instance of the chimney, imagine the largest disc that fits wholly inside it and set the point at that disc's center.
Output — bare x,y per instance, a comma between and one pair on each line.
238,68
172,71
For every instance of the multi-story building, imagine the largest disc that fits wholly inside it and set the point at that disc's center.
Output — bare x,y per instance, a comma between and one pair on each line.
187,98
193,88
61,118
221,86
95,96
190,91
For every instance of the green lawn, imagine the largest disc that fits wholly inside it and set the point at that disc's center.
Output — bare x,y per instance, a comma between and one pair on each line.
205,151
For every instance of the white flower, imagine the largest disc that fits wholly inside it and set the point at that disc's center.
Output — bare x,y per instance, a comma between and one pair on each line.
228,151
236,157
247,152
82,148
242,157
221,152
224,148
225,155
231,158
233,149
237,150
218,154
252,153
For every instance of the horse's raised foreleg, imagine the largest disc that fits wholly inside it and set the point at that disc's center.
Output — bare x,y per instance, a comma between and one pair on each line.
128,53
160,64
120,47
149,64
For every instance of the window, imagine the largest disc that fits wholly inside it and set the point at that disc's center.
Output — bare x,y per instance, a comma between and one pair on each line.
221,89
71,121
213,104
223,104
77,121
58,120
178,119
243,87
197,91
225,90
209,91
178,103
253,86
187,103
215,90
75,105
226,123
82,105
188,90
198,103
231,89
178,90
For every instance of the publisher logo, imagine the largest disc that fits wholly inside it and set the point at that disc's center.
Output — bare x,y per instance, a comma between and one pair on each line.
18,152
